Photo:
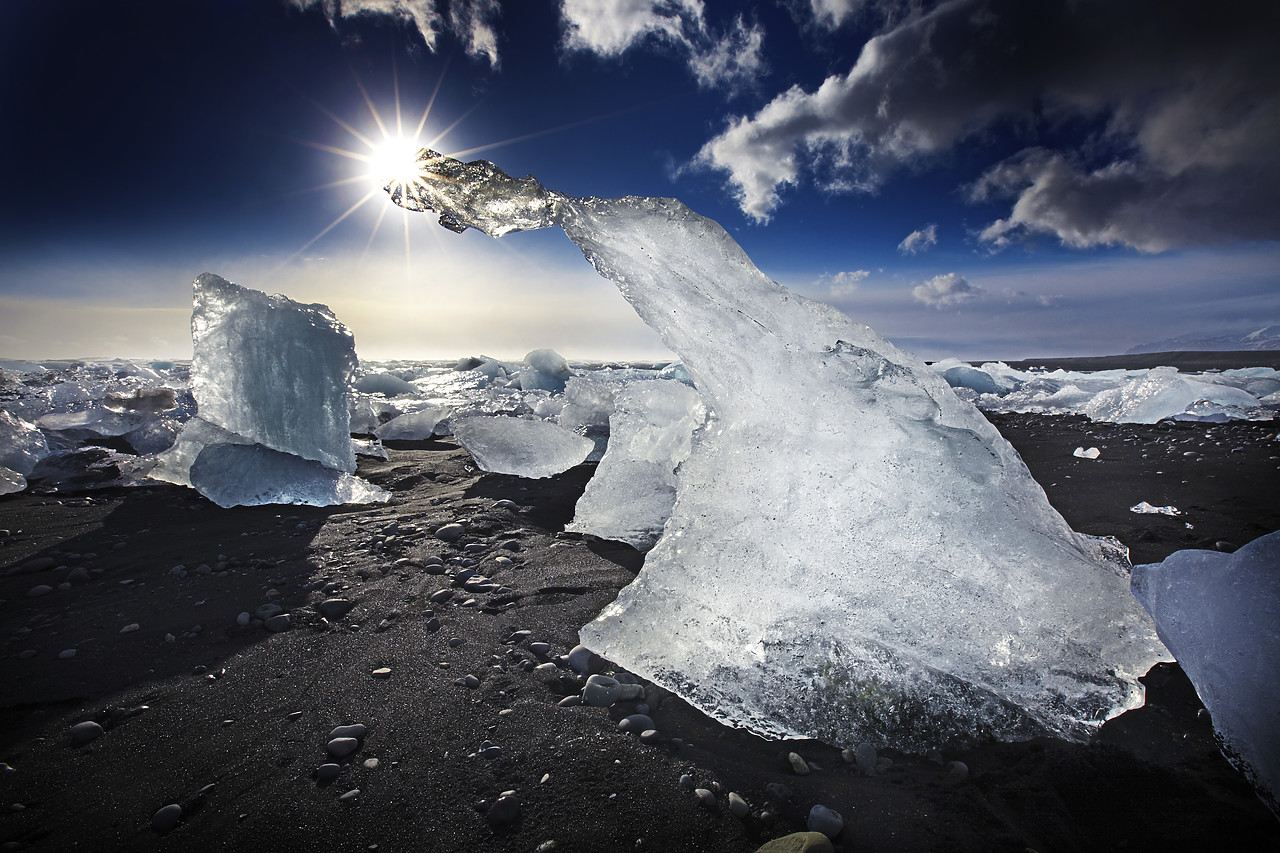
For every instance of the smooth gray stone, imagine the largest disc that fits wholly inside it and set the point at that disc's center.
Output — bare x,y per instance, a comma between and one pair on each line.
279,622
825,820
798,765
335,608
601,691
326,773
450,532
167,818
266,611
39,590
584,661
86,732
635,723
440,596
705,797
356,730
738,806
650,736
505,810
341,747
349,795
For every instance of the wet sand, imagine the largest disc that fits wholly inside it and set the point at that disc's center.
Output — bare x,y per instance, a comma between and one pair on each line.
249,712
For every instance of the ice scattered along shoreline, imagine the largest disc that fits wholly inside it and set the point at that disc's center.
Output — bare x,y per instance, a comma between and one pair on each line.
1220,616
854,554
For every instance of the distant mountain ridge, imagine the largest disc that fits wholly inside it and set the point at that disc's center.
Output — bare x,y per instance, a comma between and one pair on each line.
1267,338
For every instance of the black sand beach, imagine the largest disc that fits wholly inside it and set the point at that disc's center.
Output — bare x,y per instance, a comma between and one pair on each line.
231,722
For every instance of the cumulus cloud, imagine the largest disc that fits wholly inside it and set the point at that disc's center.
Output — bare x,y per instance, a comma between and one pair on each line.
842,283
471,21
609,28
1183,101
946,291
918,241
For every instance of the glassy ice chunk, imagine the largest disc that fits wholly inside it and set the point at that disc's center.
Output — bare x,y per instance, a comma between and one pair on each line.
1144,508
544,370
174,464
650,433
414,426
11,481
273,370
1161,394
1220,616
387,384
855,553
21,444
525,448
250,474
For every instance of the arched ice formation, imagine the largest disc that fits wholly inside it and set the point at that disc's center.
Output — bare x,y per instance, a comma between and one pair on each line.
854,553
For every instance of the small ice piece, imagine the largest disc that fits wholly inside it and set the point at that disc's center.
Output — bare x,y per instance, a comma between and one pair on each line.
146,401
965,376
1091,453
251,475
22,445
174,465
525,448
273,370
369,447
650,433
415,426
1220,616
11,482
1145,508
387,384
544,370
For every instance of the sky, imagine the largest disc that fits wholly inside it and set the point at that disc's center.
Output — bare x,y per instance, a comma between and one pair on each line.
971,178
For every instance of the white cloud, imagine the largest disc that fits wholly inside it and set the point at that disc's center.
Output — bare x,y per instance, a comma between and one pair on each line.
946,291
471,21
1185,157
842,283
609,28
920,240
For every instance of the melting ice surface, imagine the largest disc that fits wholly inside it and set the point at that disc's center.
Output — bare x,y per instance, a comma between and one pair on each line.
854,552
1220,615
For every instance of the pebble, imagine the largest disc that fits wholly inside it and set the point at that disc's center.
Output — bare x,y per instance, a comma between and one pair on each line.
630,692
505,809
130,628
371,764
738,806
454,642
686,782
326,773
957,771
432,625
569,702
798,765
440,596
341,747
705,797
266,611
356,730
469,681
635,723
334,608
779,791
244,618
799,842
601,691
650,737
78,575
86,732
279,622
825,820
167,818
505,504
450,532
349,795
583,661
382,672
26,654
66,654
39,590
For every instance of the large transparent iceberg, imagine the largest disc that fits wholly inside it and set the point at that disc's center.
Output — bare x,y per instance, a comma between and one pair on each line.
855,554
272,383
1220,615
630,497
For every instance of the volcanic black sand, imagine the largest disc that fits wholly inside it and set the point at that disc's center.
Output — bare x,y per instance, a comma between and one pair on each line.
231,722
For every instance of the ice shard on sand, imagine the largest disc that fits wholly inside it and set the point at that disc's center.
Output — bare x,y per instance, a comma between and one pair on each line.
855,554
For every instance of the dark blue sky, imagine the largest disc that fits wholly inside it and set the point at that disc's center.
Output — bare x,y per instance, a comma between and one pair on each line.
1068,194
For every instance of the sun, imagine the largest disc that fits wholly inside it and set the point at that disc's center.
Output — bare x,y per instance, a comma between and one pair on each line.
394,161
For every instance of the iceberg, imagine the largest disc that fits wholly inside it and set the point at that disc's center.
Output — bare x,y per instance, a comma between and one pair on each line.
272,383
544,370
634,488
854,554
1162,393
525,448
414,426
386,384
1220,615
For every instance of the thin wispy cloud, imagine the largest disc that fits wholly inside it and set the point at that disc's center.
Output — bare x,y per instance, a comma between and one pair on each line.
609,28
473,22
1186,101
919,240
842,283
946,291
